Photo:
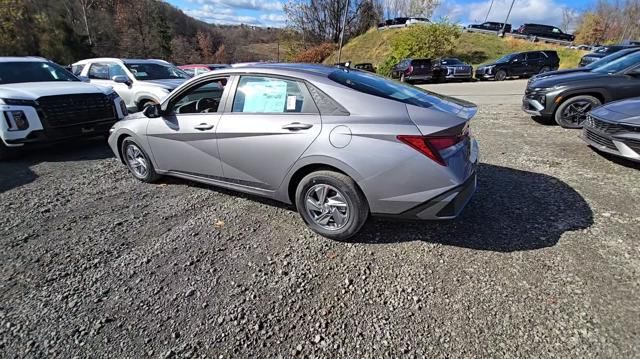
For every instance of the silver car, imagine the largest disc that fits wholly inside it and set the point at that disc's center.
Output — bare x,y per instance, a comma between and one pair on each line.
338,143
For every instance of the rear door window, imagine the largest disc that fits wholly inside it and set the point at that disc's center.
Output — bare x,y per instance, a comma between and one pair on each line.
534,56
261,94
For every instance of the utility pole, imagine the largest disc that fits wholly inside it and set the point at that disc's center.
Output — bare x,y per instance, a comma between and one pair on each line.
344,22
508,14
490,6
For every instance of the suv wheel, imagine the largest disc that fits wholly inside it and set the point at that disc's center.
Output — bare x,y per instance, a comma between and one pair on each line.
501,75
572,112
331,204
545,69
137,161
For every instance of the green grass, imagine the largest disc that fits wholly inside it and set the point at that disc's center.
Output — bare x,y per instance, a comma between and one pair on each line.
374,46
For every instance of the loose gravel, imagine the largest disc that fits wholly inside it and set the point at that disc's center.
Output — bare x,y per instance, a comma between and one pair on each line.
544,262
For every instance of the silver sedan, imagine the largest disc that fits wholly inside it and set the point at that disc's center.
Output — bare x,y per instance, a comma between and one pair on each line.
339,144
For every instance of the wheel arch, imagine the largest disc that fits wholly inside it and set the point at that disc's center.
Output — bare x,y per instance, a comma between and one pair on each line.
303,167
600,94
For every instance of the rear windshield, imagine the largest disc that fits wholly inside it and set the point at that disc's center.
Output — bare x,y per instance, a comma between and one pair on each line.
609,58
382,87
620,64
19,71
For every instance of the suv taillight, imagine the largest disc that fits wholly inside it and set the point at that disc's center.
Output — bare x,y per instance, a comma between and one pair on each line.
432,146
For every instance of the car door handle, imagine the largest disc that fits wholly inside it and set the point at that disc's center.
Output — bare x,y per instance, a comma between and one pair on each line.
297,126
203,127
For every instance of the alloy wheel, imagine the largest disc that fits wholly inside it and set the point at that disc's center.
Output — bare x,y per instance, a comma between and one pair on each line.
327,207
576,112
137,161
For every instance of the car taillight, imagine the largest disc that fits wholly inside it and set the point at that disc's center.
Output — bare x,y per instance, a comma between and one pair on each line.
409,70
432,146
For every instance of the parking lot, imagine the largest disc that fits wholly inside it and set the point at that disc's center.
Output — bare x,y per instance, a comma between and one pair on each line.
544,261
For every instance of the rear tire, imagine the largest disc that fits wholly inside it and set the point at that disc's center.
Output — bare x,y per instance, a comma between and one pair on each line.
331,204
573,111
544,69
501,75
137,161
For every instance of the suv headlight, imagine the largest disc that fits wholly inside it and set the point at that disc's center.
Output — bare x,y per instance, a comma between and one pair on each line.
489,69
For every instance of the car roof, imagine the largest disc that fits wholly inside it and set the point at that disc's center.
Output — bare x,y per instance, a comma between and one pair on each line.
23,59
126,61
293,69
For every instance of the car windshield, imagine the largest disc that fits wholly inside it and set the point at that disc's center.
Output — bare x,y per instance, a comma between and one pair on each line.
36,71
155,71
620,64
607,59
382,87
451,62
504,59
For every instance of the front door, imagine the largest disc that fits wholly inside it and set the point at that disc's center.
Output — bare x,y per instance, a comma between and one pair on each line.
270,123
518,66
184,141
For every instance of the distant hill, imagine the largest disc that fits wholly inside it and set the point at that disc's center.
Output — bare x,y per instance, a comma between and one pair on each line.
374,46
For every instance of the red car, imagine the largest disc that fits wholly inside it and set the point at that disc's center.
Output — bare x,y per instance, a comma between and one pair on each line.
197,69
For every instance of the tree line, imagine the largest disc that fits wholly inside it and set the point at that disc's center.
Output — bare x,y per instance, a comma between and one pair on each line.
609,21
69,30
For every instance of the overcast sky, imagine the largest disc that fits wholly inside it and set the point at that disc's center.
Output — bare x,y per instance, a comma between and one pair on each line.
270,13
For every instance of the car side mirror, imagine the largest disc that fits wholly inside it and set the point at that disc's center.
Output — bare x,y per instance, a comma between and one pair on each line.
153,111
121,79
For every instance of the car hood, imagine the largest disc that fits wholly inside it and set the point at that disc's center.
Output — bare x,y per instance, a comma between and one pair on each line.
165,84
569,78
487,65
626,111
559,72
35,90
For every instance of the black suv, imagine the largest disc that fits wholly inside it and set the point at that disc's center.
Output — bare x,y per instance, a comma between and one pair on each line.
519,64
491,26
411,70
602,52
568,98
544,31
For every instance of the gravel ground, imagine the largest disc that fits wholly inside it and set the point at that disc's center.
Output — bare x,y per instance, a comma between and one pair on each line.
544,262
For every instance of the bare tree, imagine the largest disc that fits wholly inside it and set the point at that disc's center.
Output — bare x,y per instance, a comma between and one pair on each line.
568,19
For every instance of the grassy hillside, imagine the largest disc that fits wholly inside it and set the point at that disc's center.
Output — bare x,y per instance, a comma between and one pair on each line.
373,46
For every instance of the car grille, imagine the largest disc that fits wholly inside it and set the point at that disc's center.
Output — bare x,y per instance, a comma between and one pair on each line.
71,110
599,139
461,70
603,126
633,144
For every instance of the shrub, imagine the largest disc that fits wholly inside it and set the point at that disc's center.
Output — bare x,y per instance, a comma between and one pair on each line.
428,41
315,54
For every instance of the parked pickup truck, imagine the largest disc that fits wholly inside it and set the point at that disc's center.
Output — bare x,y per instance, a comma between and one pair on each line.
42,102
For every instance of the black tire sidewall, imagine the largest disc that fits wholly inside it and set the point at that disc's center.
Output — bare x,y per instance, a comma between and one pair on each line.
358,206
544,69
501,78
558,114
151,172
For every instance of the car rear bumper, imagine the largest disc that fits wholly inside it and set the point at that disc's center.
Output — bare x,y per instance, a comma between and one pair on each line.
447,205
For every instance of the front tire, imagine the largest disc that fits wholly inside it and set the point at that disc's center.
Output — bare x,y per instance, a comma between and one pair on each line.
137,161
331,204
501,75
573,111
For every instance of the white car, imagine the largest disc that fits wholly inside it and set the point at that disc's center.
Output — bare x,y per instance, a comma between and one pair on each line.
42,102
138,82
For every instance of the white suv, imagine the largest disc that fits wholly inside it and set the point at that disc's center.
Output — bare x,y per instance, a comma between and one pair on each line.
139,82
41,102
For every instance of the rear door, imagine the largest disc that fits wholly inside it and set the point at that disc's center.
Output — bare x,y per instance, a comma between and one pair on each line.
535,62
267,125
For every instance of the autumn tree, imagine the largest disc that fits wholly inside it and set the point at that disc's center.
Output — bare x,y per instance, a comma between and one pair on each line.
591,29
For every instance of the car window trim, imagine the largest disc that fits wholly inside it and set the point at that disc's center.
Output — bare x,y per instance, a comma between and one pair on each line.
170,101
229,107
